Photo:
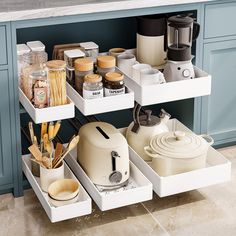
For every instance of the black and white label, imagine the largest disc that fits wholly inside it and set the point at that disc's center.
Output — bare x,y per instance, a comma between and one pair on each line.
87,94
112,92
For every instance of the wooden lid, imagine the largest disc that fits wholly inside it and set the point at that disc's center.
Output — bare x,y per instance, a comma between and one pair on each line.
106,61
56,64
114,76
83,64
117,50
93,78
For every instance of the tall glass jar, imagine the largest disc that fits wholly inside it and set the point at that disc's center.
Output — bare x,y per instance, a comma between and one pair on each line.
56,73
92,86
83,66
105,64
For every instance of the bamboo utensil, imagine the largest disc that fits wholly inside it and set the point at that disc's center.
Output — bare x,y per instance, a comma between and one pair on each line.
31,130
51,131
56,128
44,127
72,144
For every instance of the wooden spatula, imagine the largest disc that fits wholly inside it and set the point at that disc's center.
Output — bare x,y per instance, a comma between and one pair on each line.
34,150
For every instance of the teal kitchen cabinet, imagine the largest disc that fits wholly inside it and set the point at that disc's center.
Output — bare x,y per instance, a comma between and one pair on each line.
6,170
219,109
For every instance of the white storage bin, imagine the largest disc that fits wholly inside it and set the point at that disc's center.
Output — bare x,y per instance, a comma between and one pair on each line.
139,188
82,207
49,113
217,170
101,105
171,91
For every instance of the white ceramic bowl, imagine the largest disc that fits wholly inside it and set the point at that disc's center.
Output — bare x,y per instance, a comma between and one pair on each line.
63,189
58,203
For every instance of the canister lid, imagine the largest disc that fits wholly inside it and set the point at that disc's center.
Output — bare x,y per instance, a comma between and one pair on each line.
83,64
74,53
152,25
180,21
179,144
114,76
36,46
89,45
106,61
93,78
56,64
22,49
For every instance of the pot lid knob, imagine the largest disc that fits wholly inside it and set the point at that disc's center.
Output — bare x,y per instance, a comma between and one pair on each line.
179,135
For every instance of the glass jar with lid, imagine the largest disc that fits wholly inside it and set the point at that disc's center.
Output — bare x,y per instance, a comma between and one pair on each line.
56,73
114,84
91,50
105,64
34,76
83,67
92,86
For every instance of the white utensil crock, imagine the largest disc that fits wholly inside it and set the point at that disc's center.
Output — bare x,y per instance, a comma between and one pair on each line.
48,176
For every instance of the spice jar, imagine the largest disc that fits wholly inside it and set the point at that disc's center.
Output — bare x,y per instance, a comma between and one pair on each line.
92,86
83,66
105,64
57,80
114,84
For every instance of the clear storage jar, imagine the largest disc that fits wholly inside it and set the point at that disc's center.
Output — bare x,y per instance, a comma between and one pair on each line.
92,86
83,67
105,64
91,49
114,84
56,73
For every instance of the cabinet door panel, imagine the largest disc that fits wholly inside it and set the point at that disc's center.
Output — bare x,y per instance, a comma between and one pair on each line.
3,48
5,132
219,109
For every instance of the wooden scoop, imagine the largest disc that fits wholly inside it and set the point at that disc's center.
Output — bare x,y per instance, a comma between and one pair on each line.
72,144
34,150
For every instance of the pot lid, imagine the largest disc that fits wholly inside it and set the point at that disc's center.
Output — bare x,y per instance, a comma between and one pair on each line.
149,120
179,144
180,21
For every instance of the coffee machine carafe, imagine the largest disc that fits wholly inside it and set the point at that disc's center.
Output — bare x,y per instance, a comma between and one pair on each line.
182,31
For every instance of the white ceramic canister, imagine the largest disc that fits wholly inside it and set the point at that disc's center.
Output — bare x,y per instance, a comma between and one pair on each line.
178,152
151,39
136,71
125,62
48,176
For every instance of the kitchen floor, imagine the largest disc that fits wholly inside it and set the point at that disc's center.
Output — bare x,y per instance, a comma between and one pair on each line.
210,212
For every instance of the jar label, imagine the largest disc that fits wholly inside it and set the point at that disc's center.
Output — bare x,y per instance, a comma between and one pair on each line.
40,96
87,94
112,92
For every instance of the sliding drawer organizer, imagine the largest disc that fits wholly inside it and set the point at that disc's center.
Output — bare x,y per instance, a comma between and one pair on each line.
102,105
82,207
171,91
139,189
217,170
49,113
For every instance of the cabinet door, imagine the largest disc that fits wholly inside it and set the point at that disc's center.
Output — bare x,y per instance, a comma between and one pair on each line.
5,131
219,109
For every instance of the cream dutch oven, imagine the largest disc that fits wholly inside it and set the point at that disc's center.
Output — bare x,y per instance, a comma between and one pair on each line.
177,152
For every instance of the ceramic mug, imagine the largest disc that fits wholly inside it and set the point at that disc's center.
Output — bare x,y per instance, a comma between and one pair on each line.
48,176
136,71
116,51
125,62
151,76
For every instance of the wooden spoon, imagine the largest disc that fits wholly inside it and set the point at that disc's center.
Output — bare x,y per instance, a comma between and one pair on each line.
72,144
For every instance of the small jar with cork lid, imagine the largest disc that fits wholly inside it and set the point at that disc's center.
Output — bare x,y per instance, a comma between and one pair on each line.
105,64
92,86
83,67
114,84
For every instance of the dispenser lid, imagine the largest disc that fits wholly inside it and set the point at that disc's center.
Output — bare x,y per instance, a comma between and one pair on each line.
180,21
152,25
148,120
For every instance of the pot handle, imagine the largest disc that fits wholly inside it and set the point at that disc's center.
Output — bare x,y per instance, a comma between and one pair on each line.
208,139
148,151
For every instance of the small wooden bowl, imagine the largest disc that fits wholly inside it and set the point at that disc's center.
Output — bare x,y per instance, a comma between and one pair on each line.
63,189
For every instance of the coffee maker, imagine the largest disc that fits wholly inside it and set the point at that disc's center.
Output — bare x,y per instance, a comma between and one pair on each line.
182,31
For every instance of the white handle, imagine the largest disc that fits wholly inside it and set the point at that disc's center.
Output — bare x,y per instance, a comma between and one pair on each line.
148,151
208,139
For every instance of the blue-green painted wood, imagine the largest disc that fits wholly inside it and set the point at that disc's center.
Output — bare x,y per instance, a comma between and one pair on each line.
220,20
219,110
3,46
6,174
